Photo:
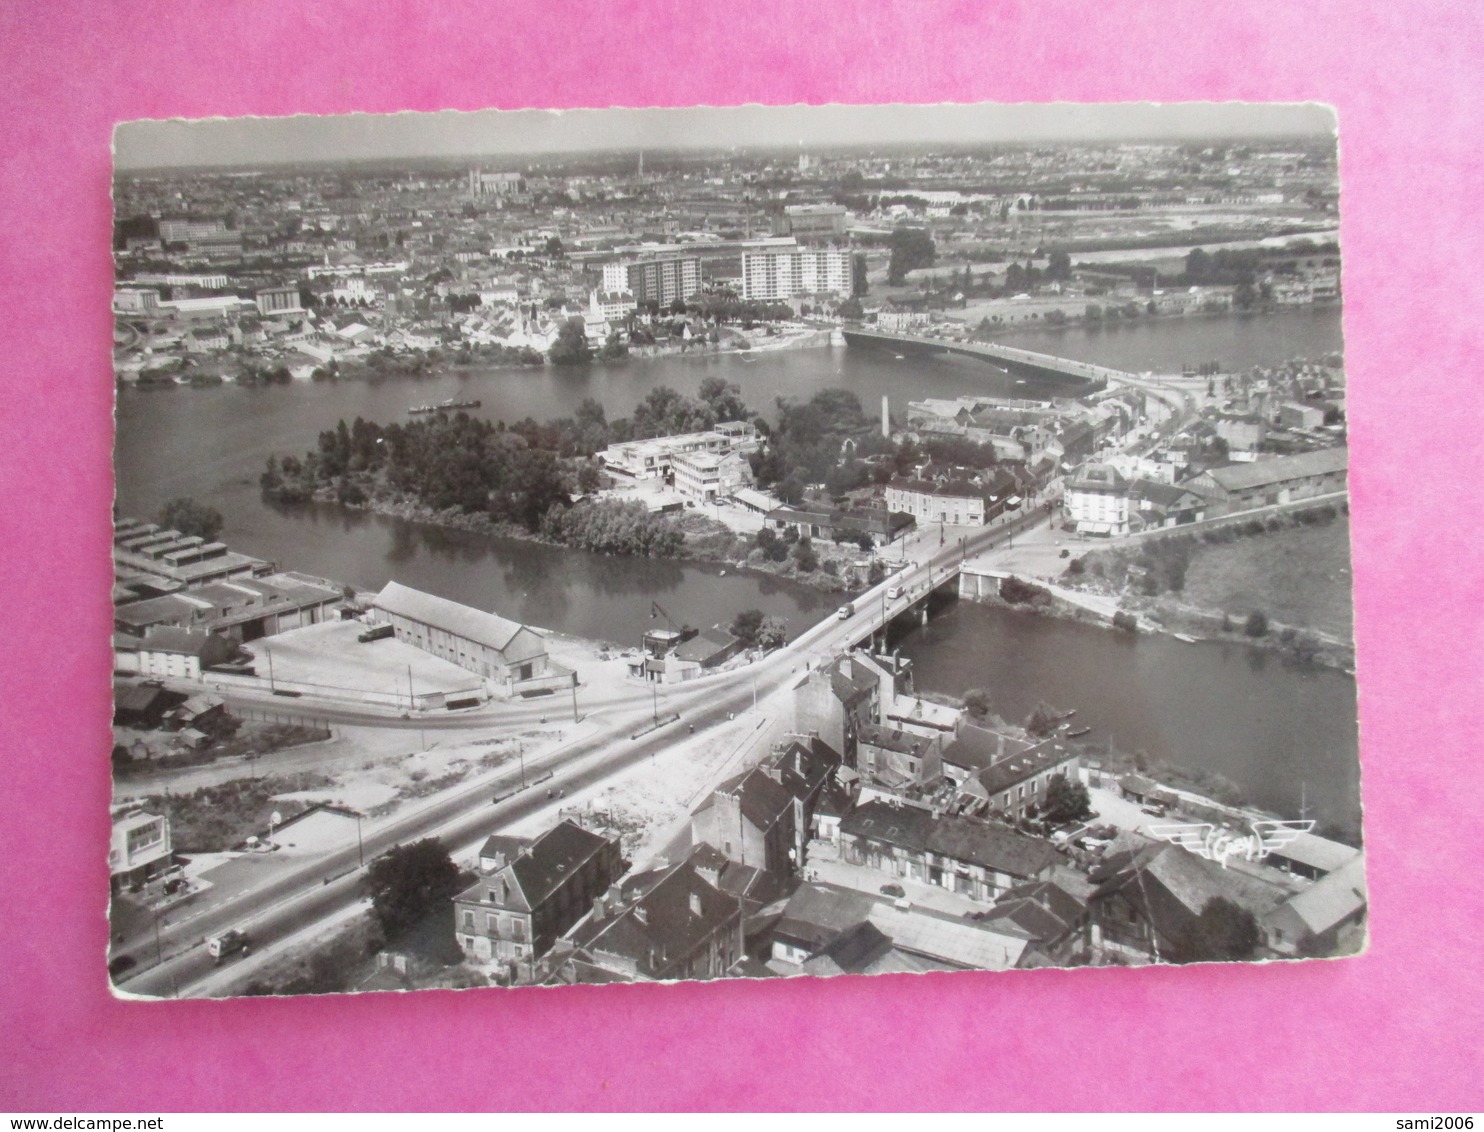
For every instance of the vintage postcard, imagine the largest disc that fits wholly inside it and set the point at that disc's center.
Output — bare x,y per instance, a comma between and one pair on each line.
644,545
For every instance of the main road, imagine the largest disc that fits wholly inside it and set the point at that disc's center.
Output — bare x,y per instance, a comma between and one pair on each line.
174,960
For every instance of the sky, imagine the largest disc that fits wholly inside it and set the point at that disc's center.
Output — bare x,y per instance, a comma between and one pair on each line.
350,137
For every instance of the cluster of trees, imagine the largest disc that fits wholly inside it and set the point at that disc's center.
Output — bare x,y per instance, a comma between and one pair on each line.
1066,801
188,517
1223,932
409,883
764,632
444,462
665,412
807,445
613,527
911,248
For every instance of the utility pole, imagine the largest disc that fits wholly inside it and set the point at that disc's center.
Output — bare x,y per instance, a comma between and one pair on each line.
654,692
269,655
574,698
360,846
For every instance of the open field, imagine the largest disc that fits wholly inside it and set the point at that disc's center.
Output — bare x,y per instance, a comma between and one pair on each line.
1297,577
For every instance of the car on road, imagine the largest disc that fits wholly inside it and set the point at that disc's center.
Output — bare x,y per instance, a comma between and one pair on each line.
846,611
227,944
895,592
893,890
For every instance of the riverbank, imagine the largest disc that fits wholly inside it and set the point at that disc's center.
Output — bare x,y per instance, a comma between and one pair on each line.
704,542
1183,622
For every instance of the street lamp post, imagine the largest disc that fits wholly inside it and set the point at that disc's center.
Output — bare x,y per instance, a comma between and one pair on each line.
360,846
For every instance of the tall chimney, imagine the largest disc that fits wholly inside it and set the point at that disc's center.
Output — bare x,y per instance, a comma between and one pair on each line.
886,416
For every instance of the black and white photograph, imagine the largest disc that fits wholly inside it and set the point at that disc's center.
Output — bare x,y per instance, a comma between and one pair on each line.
646,545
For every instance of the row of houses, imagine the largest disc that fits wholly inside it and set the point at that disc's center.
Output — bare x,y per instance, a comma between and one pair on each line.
1101,500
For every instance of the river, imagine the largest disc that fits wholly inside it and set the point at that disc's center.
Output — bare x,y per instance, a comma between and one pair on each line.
1209,705
1285,734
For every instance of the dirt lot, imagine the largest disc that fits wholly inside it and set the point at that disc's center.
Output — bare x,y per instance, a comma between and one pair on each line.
329,656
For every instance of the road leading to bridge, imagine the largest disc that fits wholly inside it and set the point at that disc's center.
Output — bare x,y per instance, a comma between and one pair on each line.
329,885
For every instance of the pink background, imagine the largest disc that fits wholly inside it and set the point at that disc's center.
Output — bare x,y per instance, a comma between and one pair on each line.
1397,1029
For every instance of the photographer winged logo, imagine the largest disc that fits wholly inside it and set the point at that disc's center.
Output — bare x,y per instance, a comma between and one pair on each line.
1221,845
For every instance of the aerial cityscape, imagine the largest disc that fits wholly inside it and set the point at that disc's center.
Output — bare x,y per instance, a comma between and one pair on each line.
646,545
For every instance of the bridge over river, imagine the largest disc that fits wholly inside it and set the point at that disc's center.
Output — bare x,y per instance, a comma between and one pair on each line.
1085,376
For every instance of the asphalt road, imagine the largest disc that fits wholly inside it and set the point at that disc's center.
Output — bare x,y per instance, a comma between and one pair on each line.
332,883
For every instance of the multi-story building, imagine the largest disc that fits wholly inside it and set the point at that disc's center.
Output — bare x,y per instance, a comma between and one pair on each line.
774,276
187,231
530,892
136,300
815,221
661,280
139,846
958,502
609,306
1096,499
707,476
278,300
655,458
977,859
482,184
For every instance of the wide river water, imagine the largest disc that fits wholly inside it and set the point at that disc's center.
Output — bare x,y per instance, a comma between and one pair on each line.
212,444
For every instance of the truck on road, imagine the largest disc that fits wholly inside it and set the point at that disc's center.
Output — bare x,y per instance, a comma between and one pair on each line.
227,944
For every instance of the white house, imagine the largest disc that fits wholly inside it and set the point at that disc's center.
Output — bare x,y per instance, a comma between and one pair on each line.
1096,499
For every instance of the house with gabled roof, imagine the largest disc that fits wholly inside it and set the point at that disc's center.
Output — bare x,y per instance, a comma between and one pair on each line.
763,817
980,860
1327,918
530,892
667,923
1150,895
504,652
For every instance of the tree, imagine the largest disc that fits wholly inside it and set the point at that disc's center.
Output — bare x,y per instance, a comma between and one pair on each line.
911,248
1065,801
976,702
851,309
804,555
191,519
724,399
409,882
772,633
746,624
1224,931
1197,265
858,284
1043,721
1257,624
877,573
589,478
570,347
1059,266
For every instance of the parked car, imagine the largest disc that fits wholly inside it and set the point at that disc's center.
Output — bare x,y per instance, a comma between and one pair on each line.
377,633
1155,810
895,890
227,944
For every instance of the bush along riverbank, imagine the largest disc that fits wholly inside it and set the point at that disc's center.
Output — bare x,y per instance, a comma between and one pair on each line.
1148,581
